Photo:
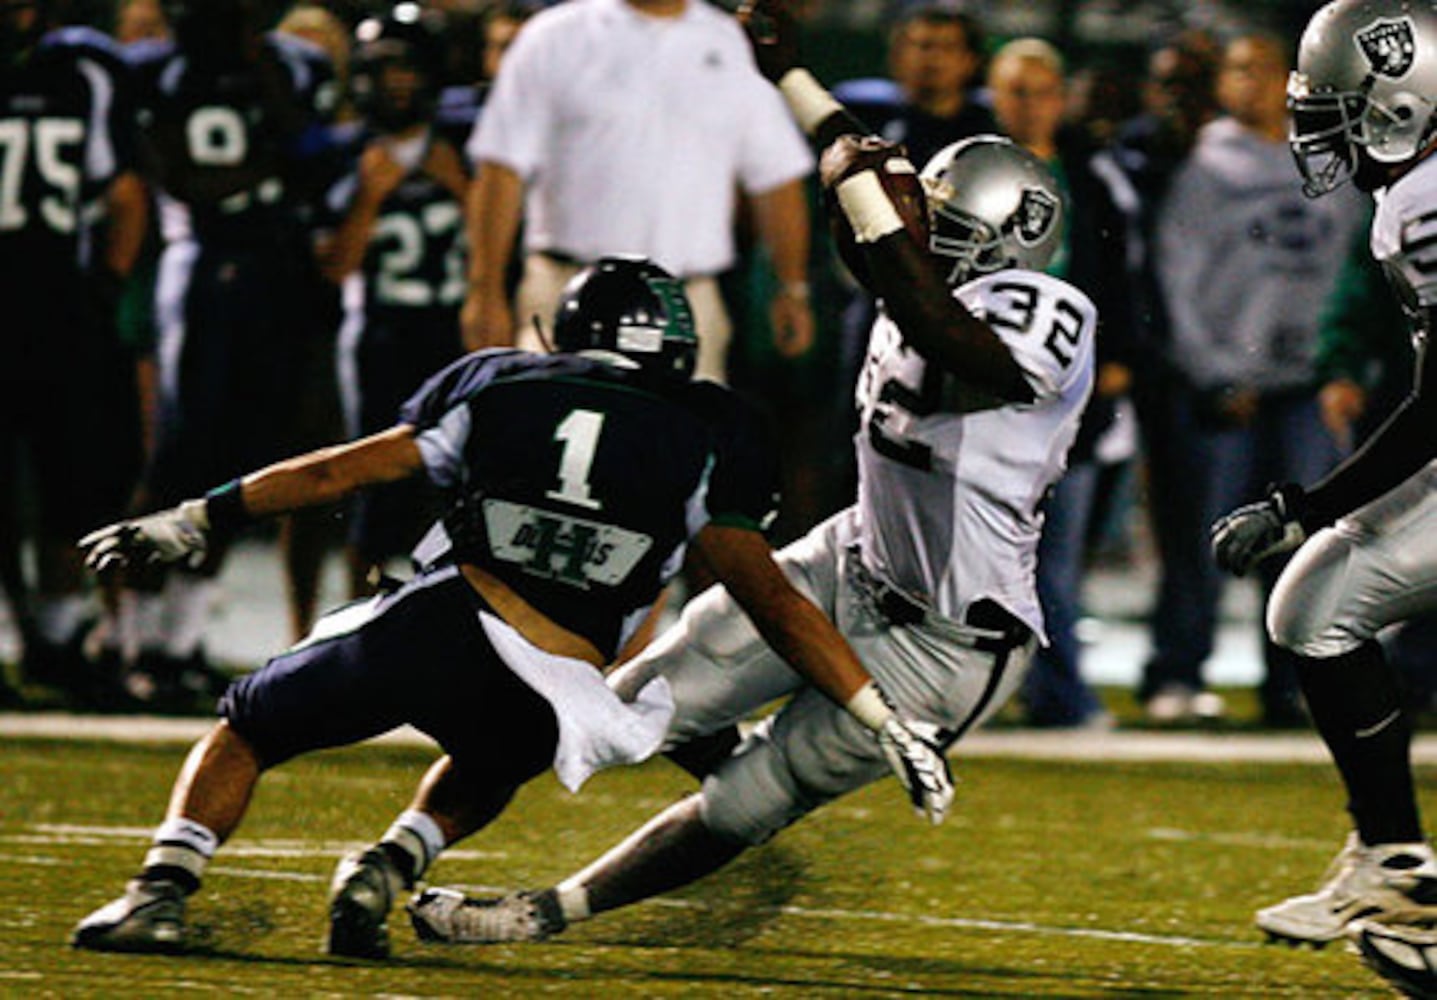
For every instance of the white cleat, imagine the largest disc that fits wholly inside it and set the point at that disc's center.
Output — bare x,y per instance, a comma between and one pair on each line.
447,916
149,917
1390,883
1402,954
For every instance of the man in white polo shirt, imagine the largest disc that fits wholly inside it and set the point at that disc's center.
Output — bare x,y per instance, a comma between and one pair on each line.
631,126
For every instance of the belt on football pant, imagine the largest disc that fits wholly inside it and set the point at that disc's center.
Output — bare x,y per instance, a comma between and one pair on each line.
986,626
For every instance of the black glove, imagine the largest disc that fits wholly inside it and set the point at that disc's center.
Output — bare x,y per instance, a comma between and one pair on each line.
1255,531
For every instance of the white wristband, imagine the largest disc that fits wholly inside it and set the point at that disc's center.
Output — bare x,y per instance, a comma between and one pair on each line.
869,209
197,512
869,707
808,99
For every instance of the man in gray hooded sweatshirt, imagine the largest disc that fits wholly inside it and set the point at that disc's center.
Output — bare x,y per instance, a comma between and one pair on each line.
1245,264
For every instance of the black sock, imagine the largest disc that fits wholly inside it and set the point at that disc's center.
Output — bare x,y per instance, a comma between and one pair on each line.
186,880
401,859
1356,705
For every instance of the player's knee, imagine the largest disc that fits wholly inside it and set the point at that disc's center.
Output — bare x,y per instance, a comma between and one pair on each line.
750,798
1293,625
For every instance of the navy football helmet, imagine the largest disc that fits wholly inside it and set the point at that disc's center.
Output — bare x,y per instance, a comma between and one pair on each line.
406,37
633,307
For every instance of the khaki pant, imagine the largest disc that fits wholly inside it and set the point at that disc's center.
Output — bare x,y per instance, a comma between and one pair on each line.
544,280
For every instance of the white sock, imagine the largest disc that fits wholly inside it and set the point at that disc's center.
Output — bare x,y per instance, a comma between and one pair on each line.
417,835
184,844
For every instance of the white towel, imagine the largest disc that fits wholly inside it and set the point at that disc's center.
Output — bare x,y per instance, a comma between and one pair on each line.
596,728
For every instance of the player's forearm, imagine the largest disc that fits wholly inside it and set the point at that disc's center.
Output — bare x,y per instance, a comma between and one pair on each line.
820,115
937,325
781,217
803,635
328,475
129,212
492,211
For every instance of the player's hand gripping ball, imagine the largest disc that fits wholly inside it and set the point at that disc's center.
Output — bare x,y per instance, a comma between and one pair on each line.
849,156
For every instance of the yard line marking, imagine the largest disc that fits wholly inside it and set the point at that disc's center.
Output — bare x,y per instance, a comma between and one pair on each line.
964,923
1013,744
1262,840
93,836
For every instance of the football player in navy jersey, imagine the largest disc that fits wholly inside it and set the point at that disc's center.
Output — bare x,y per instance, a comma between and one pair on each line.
574,484
234,128
72,217
398,251
1364,102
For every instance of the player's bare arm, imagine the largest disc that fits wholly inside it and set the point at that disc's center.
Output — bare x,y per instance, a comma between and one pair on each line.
493,207
315,479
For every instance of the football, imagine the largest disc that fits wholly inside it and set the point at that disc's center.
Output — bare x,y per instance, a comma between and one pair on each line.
901,184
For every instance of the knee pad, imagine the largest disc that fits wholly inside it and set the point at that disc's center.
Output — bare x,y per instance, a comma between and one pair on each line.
752,795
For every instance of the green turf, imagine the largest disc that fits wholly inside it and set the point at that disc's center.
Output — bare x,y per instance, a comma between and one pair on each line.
1050,880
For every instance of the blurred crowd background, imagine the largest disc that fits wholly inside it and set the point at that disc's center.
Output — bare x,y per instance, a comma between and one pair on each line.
1247,336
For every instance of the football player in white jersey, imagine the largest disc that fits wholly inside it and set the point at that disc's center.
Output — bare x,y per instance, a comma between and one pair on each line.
1363,99
977,373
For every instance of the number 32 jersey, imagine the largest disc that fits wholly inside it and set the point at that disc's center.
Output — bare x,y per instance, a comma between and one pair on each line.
951,486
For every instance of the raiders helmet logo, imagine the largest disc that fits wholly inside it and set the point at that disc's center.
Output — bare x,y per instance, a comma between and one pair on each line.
1388,45
1036,213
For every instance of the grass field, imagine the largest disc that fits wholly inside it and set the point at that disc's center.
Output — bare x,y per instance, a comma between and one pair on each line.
1050,880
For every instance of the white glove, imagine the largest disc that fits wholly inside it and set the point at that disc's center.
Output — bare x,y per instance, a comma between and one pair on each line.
921,767
180,534
915,759
1255,531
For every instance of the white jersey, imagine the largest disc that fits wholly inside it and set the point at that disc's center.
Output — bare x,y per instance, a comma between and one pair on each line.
949,494
1404,236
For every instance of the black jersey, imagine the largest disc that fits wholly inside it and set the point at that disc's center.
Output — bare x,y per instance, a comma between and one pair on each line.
579,483
238,150
415,260
66,132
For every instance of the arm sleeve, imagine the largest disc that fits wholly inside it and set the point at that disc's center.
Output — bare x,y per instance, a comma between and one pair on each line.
1400,447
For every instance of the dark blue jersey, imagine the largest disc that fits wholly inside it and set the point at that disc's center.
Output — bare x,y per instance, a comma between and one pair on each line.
882,106
66,132
415,260
579,483
237,150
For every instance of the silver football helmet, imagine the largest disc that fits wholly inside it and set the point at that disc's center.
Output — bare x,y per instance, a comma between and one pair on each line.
1365,84
994,205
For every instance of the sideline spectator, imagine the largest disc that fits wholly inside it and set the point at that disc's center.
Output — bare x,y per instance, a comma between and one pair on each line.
1245,263
628,126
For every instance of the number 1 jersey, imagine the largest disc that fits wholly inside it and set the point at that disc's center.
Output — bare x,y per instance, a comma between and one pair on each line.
579,482
951,485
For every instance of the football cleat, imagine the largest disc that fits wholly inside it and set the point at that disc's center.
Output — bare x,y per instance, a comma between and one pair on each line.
449,917
149,917
360,895
1404,955
1393,883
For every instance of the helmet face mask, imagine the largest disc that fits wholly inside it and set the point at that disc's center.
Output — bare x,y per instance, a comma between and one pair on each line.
994,205
630,307
1364,92
398,63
